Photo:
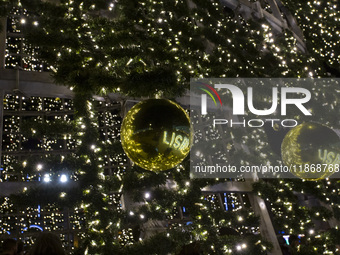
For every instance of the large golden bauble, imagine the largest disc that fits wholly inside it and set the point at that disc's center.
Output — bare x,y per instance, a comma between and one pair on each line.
312,151
156,134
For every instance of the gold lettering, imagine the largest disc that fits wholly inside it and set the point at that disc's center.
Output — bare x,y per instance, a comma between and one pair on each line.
323,158
337,160
172,138
164,138
330,157
178,141
184,144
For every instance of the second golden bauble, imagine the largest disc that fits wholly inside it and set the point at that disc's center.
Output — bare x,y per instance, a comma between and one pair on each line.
312,151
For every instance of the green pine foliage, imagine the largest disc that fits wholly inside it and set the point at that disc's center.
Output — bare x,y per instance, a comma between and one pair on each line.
148,48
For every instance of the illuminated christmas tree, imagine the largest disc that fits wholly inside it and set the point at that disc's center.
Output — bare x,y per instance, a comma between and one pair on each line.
100,49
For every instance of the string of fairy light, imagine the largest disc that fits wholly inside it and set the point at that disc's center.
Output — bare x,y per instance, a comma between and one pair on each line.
15,105
285,210
84,206
323,27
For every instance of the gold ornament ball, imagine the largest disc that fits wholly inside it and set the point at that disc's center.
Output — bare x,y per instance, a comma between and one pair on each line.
312,151
156,134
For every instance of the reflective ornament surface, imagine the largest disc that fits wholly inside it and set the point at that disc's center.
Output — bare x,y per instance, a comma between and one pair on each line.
156,134
312,151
